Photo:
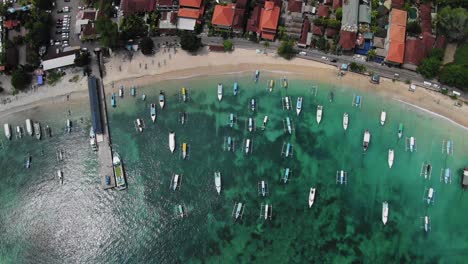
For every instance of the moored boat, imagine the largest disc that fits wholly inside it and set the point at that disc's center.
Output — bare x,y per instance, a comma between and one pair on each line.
331,96
229,143
133,91
263,189
311,197
231,120
184,94
172,141
366,140
427,224
345,121
391,156
412,144
250,124
400,130
286,175
121,91
143,97
162,99
285,82
113,103
60,175
27,161
37,130
175,182
7,129
447,176
220,92
288,125
358,101
253,104
247,146
235,88
239,209
257,75
299,105
384,212
383,117
184,150
29,127
69,125
319,113
271,84
48,131
430,195
217,177
92,139
287,104
153,112
139,125
19,132
118,172
265,121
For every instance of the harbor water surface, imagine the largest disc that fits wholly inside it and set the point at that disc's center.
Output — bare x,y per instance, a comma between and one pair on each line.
42,221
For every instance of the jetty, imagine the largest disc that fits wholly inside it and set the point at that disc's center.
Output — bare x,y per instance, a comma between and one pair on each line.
100,125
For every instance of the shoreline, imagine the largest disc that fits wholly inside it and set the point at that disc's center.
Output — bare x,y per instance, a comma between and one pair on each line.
183,66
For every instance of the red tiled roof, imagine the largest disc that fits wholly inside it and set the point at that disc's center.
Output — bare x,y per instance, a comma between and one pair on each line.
242,3
440,43
254,20
136,6
428,40
9,24
91,15
223,15
295,6
304,31
337,4
267,35
396,49
347,40
89,30
398,3
164,2
415,51
270,16
323,11
317,30
331,32
425,15
190,3
239,19
189,13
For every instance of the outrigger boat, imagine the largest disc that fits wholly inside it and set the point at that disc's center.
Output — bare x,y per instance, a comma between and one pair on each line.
427,223
265,121
263,191
60,176
311,197
113,103
284,82
391,156
288,125
231,120
184,94
220,92
153,112
162,99
92,139
384,212
366,140
27,161
449,145
69,126
181,211
184,150
175,183
383,117
119,172
427,171
345,121
37,130
412,144
172,141
121,91
250,124
257,75
319,113
139,125
29,127
238,211
59,154
217,177
248,148
430,195
400,130
183,117
19,132
286,175
287,104
133,91
341,177
271,84
7,129
447,176
266,211
253,104
299,105
229,143
235,88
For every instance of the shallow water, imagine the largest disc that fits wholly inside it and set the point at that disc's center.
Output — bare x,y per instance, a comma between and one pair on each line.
77,222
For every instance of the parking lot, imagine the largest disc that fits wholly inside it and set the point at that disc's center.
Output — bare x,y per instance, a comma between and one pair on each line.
63,33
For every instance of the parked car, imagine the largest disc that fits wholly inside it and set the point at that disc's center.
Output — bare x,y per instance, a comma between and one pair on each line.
303,53
58,32
66,31
57,43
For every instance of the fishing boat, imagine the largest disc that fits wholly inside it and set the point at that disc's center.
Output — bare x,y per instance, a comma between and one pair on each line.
299,105
287,104
247,146
311,197
268,211
229,143
235,88
69,126
447,176
253,104
271,84
430,195
288,150
366,140
133,91
345,121
358,101
288,125
265,121
427,223
391,156
119,172
37,130
92,139
184,94
27,161
162,99
341,177
263,189
121,91
231,120
60,175
29,127
19,132
143,97
449,146
217,177
285,82
319,113
175,182
400,130
239,210
286,175
257,75
113,103
427,171
384,212
7,129
48,131
172,141
331,96
220,92
412,144
184,150
383,117
181,211
139,125
153,112
251,124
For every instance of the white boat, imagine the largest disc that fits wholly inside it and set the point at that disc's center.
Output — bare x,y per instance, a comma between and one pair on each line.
217,176
121,91
69,126
29,127
391,156
92,139
239,210
251,124
139,124
263,188
267,213
384,213
366,140
427,224
299,105
172,141
175,182
287,104
247,146
19,132
383,117
7,129
430,195
37,130
319,113
265,121
220,91
153,112
119,173
162,99
253,104
345,121
60,176
311,197
288,125
412,143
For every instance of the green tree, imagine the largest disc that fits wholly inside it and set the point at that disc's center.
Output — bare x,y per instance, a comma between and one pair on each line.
286,49
20,79
436,53
82,59
132,27
453,23
146,45
333,23
371,54
228,45
429,67
108,31
413,28
189,41
339,13
281,32
321,43
454,75
38,35
43,4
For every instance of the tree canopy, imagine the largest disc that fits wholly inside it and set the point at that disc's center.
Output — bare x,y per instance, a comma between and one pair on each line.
190,42
228,45
20,79
413,28
132,27
453,22
454,75
108,31
39,34
286,49
146,45
429,67
43,4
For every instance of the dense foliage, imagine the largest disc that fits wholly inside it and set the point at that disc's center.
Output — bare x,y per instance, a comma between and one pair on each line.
108,31
189,41
82,59
286,49
132,27
430,66
455,75
20,79
357,67
228,45
147,45
43,4
453,22
413,28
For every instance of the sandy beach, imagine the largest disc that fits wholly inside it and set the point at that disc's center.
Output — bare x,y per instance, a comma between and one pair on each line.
144,70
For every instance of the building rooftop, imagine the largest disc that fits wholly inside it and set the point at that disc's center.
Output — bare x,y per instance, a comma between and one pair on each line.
317,30
350,15
426,19
295,6
337,4
190,3
396,39
304,32
347,40
189,13
398,3
269,19
414,51
242,3
364,14
254,20
137,6
323,11
223,15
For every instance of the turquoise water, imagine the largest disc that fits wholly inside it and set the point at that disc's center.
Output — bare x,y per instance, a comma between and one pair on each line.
42,221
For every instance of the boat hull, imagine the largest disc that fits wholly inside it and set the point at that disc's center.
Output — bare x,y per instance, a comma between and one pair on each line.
345,121
172,142
311,197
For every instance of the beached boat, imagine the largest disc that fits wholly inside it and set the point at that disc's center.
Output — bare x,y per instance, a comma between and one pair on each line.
235,88
412,144
37,130
384,213
143,97
383,117
231,120
345,121
7,129
121,91
27,161
113,102
217,177
250,124
288,125
29,127
391,156
220,92
19,132
133,91
184,150
331,96
118,172
299,105
172,141
427,224
366,140
271,85
311,197
60,175
184,94
69,125
257,75
284,82
153,112
92,139
319,113
400,130
175,182
253,104
162,99
265,121
247,146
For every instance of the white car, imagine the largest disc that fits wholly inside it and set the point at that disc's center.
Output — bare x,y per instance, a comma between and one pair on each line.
303,53
324,58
